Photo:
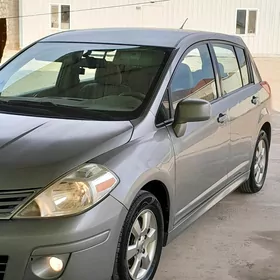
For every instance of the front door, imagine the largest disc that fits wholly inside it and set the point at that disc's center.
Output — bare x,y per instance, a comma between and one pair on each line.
202,152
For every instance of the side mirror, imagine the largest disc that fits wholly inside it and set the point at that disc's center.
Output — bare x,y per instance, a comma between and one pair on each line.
190,110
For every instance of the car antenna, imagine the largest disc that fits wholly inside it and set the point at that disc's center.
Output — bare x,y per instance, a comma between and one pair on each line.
182,27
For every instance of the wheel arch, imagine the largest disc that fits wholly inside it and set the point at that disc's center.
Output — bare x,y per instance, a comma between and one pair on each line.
266,127
160,191
264,122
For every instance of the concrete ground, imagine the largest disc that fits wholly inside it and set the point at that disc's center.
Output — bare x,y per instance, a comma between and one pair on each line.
239,238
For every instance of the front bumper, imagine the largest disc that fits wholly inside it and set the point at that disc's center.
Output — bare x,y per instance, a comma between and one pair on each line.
91,240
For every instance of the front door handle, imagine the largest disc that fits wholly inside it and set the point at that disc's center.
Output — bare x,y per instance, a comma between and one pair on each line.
222,118
255,100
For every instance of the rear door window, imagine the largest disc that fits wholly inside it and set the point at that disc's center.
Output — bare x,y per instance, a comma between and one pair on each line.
243,65
228,67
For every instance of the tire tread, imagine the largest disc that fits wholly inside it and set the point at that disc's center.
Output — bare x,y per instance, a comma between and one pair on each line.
245,187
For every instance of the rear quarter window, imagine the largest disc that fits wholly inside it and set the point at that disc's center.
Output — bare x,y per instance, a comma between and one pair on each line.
243,65
256,73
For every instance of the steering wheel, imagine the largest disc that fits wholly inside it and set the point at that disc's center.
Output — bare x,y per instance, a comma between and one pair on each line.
137,95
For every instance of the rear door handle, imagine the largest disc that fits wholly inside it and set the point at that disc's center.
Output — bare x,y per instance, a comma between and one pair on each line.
222,118
255,100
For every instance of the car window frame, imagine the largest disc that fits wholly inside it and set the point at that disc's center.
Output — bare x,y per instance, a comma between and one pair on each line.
171,118
168,88
233,44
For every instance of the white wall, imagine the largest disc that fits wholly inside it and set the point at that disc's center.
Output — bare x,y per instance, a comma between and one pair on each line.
36,27
210,15
220,16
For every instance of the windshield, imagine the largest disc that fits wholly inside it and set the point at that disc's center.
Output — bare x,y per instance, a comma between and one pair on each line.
116,81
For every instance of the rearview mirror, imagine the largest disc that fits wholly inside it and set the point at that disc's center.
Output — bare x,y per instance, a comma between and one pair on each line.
190,110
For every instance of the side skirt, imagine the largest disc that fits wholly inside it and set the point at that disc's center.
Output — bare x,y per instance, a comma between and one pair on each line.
204,207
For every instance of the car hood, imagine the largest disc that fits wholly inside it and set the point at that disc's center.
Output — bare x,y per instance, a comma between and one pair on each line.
36,151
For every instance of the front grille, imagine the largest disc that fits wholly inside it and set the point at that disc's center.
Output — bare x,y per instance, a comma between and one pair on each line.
10,201
3,264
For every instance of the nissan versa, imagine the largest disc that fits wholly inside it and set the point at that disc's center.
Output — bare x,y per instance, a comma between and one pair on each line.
113,141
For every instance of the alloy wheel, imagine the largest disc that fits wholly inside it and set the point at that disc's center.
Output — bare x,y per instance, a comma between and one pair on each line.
260,161
142,244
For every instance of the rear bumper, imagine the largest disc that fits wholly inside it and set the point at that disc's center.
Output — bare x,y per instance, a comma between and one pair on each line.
90,240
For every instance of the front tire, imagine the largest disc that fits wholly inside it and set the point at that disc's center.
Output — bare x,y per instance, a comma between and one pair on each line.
141,240
259,166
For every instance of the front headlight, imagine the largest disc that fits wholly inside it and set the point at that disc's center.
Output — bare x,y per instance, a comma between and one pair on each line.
73,194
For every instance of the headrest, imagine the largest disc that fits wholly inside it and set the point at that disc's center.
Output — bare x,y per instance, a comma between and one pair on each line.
183,78
140,79
109,75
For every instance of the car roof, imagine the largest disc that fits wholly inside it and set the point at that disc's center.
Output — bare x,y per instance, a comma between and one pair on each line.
130,36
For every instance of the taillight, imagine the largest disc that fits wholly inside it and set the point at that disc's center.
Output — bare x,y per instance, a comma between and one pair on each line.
266,86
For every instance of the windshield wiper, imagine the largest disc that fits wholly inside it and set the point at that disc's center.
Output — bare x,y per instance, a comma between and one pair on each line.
48,108
13,107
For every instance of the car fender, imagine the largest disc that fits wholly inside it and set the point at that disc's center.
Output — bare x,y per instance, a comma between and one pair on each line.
140,162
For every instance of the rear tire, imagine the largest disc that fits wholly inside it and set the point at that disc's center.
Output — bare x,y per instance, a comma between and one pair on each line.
141,240
259,166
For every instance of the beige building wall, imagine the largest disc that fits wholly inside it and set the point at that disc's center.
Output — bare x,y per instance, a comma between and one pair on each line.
209,15
88,14
9,9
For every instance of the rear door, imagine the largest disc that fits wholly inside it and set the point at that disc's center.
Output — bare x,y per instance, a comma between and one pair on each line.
242,97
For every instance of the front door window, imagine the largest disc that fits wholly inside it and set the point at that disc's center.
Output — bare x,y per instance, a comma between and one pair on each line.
194,77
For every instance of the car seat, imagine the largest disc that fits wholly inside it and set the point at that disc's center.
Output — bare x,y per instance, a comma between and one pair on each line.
183,78
108,81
